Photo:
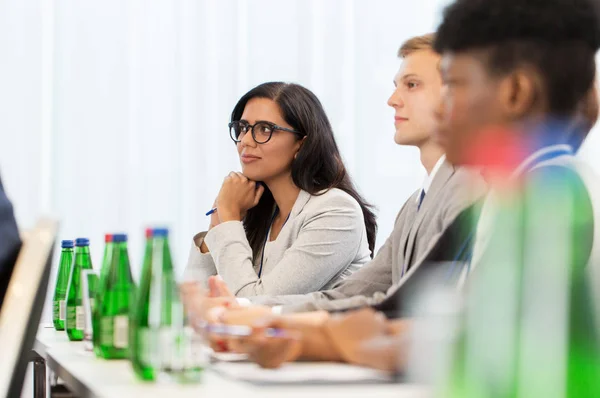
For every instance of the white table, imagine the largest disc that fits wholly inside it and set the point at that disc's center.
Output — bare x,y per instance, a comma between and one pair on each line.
88,376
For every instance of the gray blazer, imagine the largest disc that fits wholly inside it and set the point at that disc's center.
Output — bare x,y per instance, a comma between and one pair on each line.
415,234
323,242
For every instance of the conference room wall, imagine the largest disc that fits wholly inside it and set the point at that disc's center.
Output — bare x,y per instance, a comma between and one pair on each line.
114,113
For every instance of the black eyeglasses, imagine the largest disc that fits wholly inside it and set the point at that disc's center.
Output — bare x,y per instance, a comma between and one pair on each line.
261,131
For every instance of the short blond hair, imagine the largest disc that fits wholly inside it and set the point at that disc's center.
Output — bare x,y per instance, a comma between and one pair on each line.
417,43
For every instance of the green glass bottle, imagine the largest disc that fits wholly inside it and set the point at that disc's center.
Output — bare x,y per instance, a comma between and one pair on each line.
189,354
145,264
106,261
140,364
113,311
107,257
62,281
151,317
75,315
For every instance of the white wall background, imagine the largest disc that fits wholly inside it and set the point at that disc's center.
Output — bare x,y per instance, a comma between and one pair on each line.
113,113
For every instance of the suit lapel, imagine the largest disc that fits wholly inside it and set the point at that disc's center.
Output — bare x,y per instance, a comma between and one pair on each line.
411,211
431,202
301,201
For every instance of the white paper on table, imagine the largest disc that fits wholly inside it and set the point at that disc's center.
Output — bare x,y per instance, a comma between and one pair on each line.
302,372
229,356
223,356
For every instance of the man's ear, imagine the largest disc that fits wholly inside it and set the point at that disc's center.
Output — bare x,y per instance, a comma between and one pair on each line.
521,93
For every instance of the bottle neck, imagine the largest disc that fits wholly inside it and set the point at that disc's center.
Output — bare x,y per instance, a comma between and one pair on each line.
161,252
147,255
82,250
119,270
82,256
120,249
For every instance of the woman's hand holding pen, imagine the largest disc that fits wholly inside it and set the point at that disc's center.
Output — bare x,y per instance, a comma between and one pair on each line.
214,217
238,194
214,221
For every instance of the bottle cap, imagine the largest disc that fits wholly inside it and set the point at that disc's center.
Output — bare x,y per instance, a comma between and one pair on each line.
160,232
67,244
119,238
82,242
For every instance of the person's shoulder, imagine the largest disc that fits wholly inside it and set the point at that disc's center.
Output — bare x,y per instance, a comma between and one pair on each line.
555,177
468,176
553,172
465,187
333,198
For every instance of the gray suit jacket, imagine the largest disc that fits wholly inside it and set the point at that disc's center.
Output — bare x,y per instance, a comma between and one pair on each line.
415,233
323,242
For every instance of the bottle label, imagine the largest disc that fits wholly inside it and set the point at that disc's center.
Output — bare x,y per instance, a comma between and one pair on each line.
121,331
62,310
55,309
70,322
166,343
197,351
143,346
194,352
147,347
79,318
106,331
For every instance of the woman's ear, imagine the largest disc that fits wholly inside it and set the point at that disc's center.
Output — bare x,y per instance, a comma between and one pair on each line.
299,143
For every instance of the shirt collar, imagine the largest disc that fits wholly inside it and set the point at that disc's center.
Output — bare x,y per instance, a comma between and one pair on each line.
431,176
540,155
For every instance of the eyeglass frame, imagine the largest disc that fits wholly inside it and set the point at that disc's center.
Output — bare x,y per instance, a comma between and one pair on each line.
270,124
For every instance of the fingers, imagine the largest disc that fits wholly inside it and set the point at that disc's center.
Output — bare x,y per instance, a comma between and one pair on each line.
218,287
190,291
189,287
208,309
213,286
398,327
356,326
246,344
214,313
273,321
231,175
271,353
236,175
222,288
242,177
217,343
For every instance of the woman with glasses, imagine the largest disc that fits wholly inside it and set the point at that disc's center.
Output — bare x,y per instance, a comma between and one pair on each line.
291,222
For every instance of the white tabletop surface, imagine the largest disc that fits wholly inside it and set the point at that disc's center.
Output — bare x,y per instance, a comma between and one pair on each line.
88,376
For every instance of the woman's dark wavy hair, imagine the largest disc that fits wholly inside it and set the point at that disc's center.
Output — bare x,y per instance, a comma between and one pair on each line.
318,165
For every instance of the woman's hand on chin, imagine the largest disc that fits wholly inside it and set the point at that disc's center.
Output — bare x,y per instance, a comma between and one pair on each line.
238,194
